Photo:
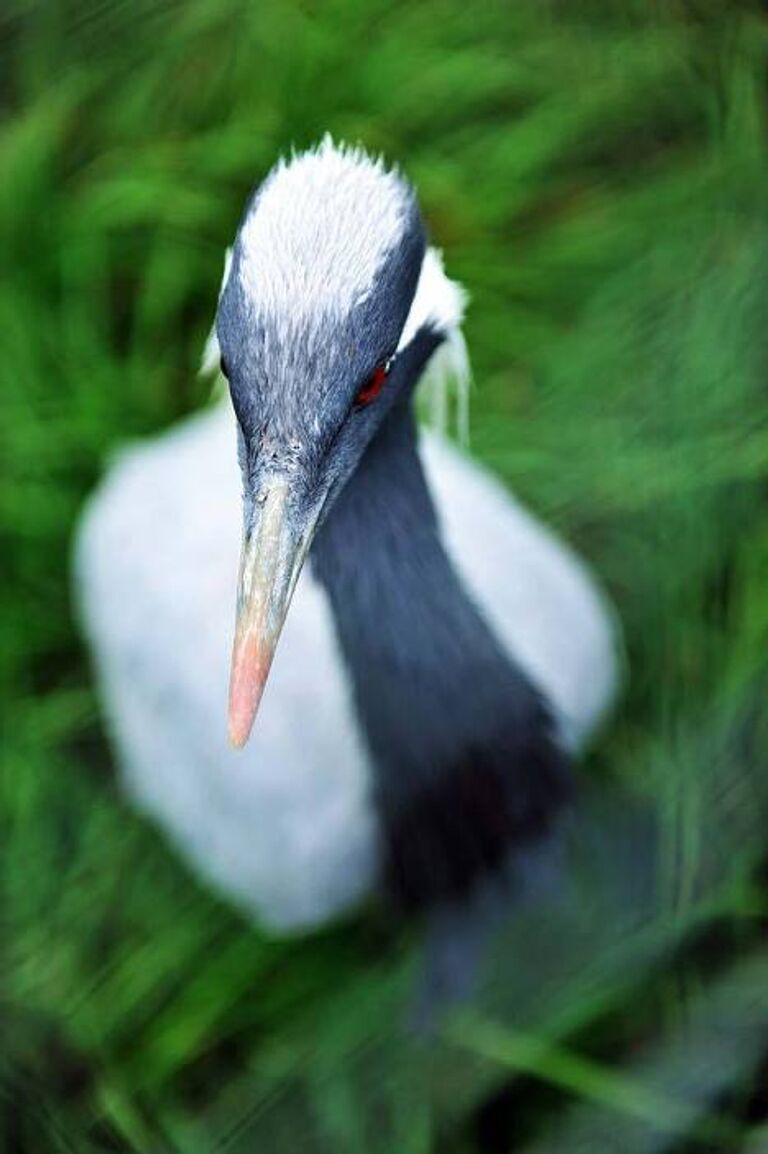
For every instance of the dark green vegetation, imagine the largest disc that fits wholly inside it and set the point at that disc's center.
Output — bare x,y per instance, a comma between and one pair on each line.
597,176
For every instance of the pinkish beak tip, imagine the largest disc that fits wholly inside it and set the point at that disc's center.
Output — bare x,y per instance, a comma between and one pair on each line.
250,668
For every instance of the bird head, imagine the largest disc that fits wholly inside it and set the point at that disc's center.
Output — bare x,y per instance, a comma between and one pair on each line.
330,308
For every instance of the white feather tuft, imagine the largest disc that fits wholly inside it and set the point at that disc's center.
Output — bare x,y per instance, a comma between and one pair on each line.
441,302
212,353
448,376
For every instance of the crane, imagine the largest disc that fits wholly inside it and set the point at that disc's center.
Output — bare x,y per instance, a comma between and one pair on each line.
415,659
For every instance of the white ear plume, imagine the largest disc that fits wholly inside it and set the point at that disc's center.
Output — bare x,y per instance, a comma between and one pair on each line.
441,302
212,353
448,374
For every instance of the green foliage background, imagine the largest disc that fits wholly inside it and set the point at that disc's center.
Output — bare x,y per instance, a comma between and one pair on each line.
596,174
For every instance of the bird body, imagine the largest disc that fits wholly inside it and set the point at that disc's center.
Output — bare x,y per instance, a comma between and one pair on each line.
286,828
440,654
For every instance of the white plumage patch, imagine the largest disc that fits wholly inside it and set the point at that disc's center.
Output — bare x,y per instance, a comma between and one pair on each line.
212,353
319,231
440,301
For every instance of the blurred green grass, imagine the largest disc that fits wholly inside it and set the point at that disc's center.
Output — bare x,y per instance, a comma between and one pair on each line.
596,173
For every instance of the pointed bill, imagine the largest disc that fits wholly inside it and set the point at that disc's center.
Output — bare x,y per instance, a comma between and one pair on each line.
270,563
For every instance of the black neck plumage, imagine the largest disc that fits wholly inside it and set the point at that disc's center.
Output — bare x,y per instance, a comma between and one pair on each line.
467,761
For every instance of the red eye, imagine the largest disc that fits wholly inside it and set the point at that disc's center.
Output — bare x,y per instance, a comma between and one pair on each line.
373,385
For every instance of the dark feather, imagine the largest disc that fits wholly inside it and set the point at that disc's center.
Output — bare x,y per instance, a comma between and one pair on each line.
463,825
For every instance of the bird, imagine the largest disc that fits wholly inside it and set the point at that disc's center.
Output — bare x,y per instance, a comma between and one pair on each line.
409,660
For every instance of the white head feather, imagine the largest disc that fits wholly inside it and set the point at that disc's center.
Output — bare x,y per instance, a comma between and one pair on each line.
319,230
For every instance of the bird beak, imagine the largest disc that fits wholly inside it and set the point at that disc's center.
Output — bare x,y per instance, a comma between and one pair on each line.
270,563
